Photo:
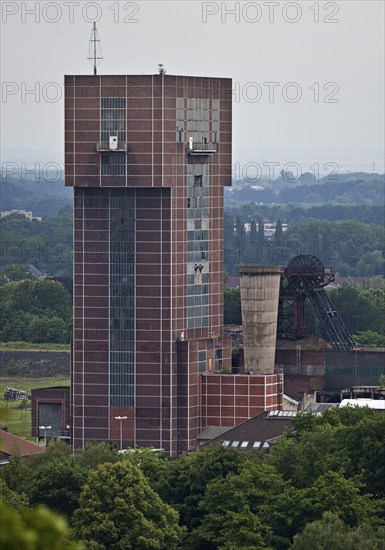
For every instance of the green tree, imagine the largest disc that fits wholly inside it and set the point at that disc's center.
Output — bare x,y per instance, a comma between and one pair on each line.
240,530
16,475
119,510
255,505
348,441
56,450
15,500
331,532
37,310
370,339
96,453
58,484
152,463
356,309
38,529
334,493
15,272
183,482
232,306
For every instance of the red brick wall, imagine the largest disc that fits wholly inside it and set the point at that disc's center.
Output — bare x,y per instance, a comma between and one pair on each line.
229,399
295,386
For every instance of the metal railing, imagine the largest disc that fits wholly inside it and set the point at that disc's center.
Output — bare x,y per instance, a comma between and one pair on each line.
199,147
105,146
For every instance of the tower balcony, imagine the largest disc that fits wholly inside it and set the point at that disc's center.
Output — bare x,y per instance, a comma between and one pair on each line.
104,147
199,148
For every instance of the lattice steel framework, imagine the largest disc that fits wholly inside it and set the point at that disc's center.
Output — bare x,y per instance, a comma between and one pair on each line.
306,277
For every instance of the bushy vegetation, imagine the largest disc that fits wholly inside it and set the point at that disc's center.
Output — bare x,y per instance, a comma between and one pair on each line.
350,248
349,191
35,310
46,244
323,482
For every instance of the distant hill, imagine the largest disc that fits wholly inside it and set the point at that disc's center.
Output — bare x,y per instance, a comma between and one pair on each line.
339,189
43,198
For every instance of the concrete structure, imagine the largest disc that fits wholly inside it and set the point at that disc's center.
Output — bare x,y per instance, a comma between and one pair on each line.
259,302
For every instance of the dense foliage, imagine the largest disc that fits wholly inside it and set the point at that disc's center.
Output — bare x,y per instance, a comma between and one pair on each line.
41,192
322,486
46,244
283,191
295,213
232,306
35,310
118,510
37,529
350,248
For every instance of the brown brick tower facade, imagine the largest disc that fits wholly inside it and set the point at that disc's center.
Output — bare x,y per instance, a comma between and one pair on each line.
148,157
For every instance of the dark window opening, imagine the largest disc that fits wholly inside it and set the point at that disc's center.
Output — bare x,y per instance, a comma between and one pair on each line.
113,164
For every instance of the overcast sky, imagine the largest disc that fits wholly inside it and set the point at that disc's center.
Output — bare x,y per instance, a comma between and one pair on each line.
326,60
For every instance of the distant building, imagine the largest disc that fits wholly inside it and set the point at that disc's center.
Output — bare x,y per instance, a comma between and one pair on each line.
268,229
26,213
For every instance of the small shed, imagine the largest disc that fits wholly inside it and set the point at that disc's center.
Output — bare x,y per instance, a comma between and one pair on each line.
51,412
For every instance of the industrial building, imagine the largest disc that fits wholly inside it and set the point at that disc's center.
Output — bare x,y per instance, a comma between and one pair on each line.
148,157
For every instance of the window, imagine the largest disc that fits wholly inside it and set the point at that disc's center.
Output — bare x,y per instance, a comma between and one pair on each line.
199,118
202,361
218,359
113,164
122,300
244,444
225,443
113,123
197,248
235,444
113,118
256,444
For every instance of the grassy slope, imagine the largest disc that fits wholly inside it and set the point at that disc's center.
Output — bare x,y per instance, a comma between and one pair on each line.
27,346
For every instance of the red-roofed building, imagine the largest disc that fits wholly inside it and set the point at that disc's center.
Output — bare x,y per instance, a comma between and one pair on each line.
11,444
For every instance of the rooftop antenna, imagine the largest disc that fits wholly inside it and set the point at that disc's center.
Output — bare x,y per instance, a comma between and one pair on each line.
95,54
161,69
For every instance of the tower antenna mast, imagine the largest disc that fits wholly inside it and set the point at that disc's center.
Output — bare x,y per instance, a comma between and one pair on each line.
95,54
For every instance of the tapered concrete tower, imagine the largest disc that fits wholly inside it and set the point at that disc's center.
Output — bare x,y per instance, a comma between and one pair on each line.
259,299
